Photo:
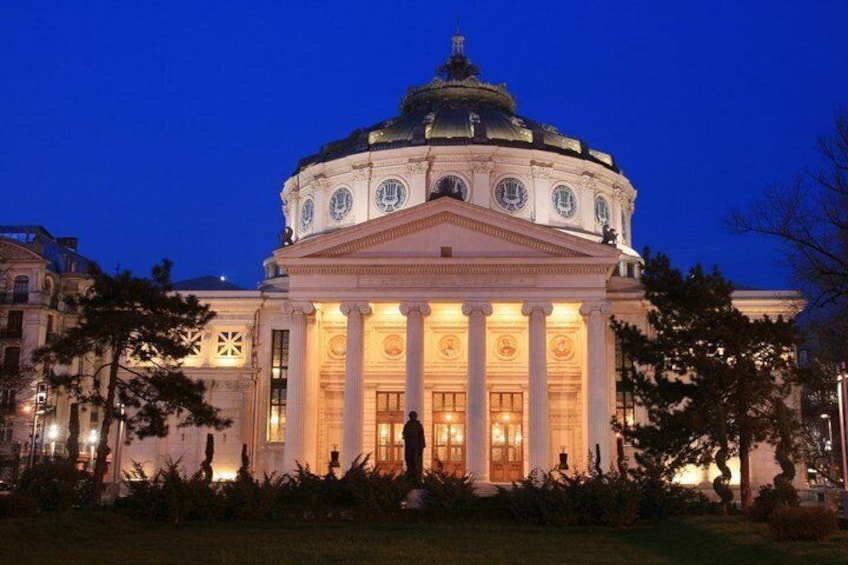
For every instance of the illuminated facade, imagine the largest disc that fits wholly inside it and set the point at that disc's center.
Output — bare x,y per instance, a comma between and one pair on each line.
457,260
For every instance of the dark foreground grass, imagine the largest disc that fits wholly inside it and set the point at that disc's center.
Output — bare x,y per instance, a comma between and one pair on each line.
109,538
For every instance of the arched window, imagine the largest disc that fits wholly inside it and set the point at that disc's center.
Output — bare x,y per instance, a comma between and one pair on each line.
20,292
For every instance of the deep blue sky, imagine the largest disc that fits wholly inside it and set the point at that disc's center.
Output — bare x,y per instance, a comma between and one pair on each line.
165,129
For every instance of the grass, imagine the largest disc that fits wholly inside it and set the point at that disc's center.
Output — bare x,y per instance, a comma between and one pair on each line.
108,538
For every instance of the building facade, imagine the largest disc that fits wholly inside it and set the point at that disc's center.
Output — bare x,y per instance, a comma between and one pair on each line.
458,260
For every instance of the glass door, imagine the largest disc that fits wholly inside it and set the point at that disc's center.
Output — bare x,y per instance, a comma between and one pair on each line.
389,457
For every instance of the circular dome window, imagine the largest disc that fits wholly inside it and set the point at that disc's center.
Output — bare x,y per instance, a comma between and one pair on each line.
602,211
390,195
451,184
307,212
563,201
341,203
511,195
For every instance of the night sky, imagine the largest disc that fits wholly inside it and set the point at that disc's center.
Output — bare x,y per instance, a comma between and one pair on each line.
166,129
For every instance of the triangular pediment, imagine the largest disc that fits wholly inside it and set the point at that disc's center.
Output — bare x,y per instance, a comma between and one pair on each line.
448,228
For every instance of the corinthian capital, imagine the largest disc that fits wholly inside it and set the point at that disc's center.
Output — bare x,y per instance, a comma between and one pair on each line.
421,307
599,306
530,307
361,308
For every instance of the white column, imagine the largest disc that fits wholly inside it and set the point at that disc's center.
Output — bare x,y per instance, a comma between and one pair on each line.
415,312
540,443
298,401
476,436
353,397
597,394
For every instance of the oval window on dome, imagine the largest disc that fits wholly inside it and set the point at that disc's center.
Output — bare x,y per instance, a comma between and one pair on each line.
390,195
307,212
563,201
602,210
341,203
451,185
511,195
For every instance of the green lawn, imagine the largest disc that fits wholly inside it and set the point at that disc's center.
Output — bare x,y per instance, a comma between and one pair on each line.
109,538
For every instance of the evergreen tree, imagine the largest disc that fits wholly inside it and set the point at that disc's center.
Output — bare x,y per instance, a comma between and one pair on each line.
707,375
137,327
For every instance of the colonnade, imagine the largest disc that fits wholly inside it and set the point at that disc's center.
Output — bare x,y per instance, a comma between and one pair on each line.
301,411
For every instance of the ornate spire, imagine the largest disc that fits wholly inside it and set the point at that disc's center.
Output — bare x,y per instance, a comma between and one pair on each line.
458,67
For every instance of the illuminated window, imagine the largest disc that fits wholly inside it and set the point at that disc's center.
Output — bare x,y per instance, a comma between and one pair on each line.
449,431
625,407
230,344
20,292
279,380
390,420
506,415
193,339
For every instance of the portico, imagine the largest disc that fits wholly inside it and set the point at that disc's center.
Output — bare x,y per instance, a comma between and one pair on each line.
482,324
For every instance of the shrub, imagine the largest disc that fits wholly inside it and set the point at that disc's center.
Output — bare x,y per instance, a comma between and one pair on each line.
538,499
170,496
249,499
55,485
770,499
17,506
809,523
447,491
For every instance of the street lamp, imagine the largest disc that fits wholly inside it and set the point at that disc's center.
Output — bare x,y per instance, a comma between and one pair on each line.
53,435
828,446
92,441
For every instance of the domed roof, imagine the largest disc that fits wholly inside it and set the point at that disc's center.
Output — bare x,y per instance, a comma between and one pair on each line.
457,108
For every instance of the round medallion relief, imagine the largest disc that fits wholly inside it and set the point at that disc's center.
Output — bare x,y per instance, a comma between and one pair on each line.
393,346
562,347
337,348
449,347
506,347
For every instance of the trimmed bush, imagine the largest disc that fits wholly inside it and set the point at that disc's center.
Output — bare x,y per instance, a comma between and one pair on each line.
17,506
448,492
808,523
770,499
55,486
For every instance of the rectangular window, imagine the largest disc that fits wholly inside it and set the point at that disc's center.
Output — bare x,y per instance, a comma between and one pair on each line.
390,432
15,323
12,360
7,401
625,406
449,431
5,432
506,415
20,290
279,382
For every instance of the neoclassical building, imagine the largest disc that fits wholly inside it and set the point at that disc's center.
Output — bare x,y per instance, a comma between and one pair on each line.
459,260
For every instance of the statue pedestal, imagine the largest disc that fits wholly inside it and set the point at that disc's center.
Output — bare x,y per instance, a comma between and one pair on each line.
415,499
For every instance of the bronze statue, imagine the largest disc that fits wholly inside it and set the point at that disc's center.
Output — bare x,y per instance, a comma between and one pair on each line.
610,235
287,237
413,447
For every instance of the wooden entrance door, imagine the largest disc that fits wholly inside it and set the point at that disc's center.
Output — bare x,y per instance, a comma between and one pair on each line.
507,441
449,431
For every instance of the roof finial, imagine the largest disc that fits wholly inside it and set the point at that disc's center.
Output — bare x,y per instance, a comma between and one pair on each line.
458,40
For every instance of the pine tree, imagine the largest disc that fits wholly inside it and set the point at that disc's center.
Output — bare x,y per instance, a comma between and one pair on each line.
137,327
707,375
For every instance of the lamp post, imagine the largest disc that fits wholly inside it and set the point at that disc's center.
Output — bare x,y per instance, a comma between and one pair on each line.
53,435
842,398
92,443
